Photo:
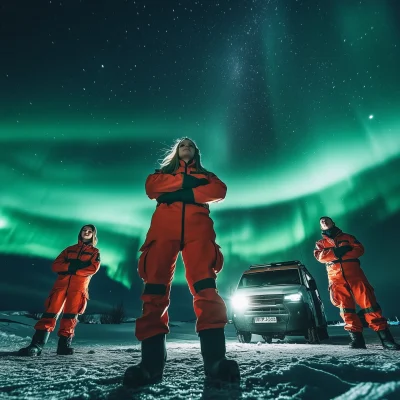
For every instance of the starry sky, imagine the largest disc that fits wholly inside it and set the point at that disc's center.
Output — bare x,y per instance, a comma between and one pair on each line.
294,104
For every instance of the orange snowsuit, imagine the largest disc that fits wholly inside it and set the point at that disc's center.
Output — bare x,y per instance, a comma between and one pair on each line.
181,226
348,284
70,291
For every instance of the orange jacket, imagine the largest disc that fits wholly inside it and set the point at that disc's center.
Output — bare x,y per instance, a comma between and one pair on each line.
348,264
181,220
80,279
159,183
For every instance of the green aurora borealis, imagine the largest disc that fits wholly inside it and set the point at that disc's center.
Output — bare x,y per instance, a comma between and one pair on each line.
294,105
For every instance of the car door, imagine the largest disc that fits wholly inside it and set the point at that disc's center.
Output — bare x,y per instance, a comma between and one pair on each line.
316,298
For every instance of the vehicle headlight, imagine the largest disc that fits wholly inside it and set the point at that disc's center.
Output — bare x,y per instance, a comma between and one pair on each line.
293,297
239,302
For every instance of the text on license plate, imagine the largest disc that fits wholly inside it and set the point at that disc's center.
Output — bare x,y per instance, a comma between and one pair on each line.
261,320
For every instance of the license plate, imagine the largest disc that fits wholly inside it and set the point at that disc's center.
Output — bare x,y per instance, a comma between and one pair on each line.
263,320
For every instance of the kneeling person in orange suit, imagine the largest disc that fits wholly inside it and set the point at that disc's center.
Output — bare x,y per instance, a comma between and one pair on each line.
75,266
348,285
181,223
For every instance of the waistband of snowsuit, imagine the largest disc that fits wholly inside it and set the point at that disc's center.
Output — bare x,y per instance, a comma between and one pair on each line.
329,264
204,205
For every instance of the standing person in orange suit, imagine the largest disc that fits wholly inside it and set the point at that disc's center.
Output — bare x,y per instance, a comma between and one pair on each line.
75,266
181,223
348,285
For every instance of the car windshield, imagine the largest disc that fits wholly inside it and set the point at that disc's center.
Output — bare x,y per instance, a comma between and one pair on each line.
271,277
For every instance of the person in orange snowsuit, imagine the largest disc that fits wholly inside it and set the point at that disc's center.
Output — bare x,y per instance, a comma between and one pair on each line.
181,223
348,285
75,266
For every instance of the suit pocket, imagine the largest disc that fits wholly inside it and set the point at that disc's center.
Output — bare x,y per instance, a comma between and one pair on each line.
332,295
48,301
142,264
84,300
219,258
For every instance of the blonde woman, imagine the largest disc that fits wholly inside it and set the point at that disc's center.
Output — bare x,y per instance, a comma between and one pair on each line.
183,188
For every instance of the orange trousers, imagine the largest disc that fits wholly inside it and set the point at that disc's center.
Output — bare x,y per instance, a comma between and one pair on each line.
202,259
71,302
356,289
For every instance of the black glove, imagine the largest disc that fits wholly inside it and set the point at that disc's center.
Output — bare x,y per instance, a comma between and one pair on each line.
76,264
184,195
191,182
85,264
341,251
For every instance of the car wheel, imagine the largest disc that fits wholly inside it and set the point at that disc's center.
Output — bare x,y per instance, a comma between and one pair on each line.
323,333
268,339
312,335
244,337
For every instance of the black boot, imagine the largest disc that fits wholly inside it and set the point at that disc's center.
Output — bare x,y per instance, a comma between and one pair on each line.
35,348
64,346
387,340
216,366
357,340
151,368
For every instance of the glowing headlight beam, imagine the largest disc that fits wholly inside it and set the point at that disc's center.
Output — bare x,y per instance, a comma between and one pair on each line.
293,297
240,302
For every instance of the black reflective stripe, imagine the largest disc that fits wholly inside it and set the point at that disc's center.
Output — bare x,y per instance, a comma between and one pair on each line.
343,261
208,283
70,316
49,315
348,310
155,288
87,252
342,241
371,309
379,320
206,206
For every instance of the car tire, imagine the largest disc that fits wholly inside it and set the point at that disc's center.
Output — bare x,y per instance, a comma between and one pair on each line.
268,339
244,337
312,335
323,333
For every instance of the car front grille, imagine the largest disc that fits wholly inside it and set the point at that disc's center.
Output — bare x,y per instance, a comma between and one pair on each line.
270,299
268,304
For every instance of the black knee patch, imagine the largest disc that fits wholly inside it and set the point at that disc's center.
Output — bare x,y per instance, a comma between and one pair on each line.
371,309
70,316
208,283
155,288
49,315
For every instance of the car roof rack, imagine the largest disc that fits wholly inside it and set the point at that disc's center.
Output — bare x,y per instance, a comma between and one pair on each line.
277,264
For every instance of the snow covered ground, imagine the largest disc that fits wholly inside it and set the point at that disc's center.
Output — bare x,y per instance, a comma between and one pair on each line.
291,369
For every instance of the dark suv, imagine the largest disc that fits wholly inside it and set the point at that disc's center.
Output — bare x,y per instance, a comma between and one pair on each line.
278,300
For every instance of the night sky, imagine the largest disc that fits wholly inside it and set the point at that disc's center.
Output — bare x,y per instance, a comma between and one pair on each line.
295,105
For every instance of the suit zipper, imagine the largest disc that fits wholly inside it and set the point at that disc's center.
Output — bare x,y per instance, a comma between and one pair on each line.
183,219
69,281
341,268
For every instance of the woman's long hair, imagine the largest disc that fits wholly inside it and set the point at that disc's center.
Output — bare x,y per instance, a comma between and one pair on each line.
170,162
94,237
